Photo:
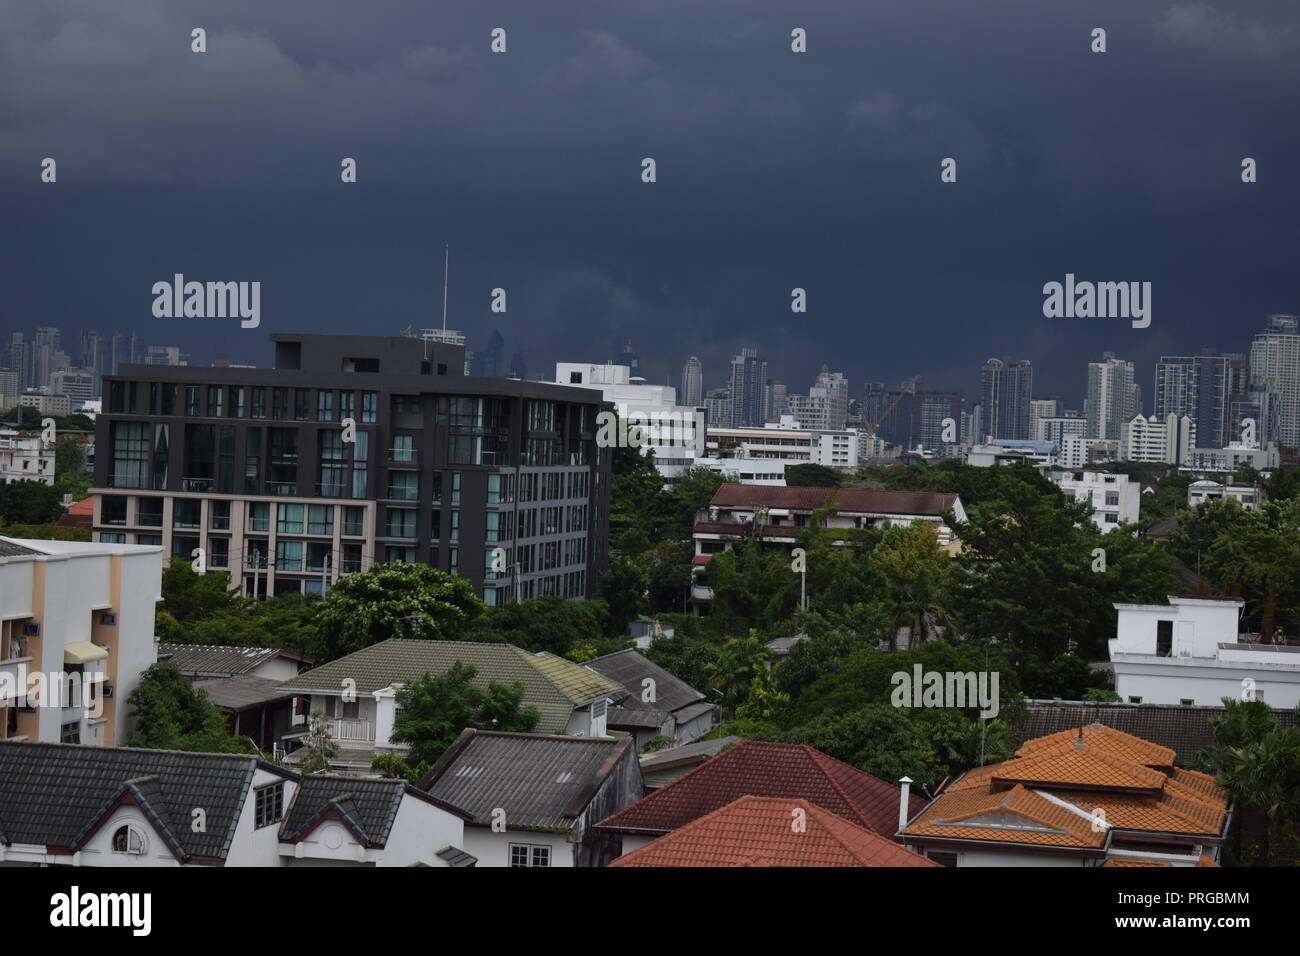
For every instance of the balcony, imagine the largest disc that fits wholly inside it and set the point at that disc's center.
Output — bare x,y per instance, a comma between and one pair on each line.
403,456
196,484
350,728
283,488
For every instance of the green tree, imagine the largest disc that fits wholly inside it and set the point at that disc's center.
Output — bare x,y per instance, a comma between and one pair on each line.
1258,560
918,577
623,588
170,714
433,709
1266,774
737,668
392,600
318,747
29,502
811,475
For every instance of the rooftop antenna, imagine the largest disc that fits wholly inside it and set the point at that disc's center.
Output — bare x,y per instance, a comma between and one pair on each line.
446,264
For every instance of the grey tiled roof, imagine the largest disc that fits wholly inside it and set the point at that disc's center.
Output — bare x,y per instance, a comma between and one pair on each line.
219,660
630,668
10,549
56,794
1185,730
239,693
553,685
453,856
369,807
540,781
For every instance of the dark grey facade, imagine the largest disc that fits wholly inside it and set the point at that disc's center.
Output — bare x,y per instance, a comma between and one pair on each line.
496,480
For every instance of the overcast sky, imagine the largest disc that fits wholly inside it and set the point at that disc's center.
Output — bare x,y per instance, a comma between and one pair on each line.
819,170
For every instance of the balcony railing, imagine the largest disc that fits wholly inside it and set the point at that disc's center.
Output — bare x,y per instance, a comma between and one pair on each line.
347,728
196,484
403,456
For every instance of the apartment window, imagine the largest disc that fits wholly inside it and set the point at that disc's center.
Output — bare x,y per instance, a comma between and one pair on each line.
369,406
237,400
219,552
1111,517
351,559
216,401
253,462
112,537
219,515
527,854
500,489
153,539
280,403
942,857
401,523
129,839
360,458
301,404
437,488
454,530
318,556
347,405
453,560
259,402
406,404
1164,638
130,455
289,519
288,555
435,526
1112,499
333,465
404,448
269,806
184,546
320,519
186,513
354,521
395,554
161,446
403,485
324,406
191,401
498,526
259,516
113,510
455,487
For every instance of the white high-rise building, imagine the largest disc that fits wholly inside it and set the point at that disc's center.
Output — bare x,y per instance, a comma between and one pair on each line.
1275,366
1154,441
1112,396
692,382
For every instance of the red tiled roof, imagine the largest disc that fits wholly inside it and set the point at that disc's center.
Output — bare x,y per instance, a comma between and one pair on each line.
758,768
80,514
701,559
767,831
846,499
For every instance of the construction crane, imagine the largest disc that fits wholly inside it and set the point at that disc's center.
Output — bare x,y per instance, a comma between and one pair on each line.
909,388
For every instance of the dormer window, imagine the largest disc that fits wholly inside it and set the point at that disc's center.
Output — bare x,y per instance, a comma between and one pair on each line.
129,839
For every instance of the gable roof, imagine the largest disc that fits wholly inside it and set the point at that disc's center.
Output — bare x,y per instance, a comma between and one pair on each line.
553,685
759,768
542,782
761,831
220,660
366,807
850,500
629,669
1075,789
58,795
10,548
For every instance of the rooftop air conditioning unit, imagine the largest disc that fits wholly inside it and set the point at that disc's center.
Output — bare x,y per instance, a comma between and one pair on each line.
31,629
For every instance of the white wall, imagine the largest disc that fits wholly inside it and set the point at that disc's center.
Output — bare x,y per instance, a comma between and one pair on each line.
253,846
493,849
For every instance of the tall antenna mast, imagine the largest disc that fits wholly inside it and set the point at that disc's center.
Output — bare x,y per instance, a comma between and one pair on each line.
446,262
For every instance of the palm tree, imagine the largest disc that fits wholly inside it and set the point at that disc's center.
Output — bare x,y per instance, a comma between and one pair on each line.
1267,775
733,673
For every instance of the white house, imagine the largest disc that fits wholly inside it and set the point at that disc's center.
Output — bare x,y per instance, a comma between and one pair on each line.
1199,492
1114,499
1189,652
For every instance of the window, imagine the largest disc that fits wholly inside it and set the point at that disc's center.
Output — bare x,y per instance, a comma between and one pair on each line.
301,404
498,526
395,554
191,401
942,857
219,515
186,512
354,521
112,537
401,523
320,519
288,555
526,854
455,487
369,406
289,519
1135,700
324,406
259,402
280,403
216,401
130,455
259,516
318,556
1186,701
128,839
435,527
1164,638
333,465
347,405
403,448
70,733
1112,499
500,489
403,485
112,510
454,531
237,400
219,552
269,807
151,539
351,559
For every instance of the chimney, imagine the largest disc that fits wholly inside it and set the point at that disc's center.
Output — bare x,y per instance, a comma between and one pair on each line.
903,797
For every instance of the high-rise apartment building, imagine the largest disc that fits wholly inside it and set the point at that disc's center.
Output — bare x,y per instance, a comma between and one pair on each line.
1157,441
746,389
1275,367
1197,386
496,480
1006,388
692,392
1113,397
717,408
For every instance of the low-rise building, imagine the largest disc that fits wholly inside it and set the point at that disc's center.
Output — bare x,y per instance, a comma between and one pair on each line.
76,630
1199,492
1190,651
534,799
1114,499
358,692
25,457
1087,796
657,704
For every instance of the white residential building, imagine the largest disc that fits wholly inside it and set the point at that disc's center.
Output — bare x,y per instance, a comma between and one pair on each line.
1230,458
76,630
1077,451
1155,441
1114,499
25,457
1199,492
1189,652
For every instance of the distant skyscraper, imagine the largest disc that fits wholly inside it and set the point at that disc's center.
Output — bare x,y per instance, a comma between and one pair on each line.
747,389
777,402
1005,391
717,408
836,388
1196,386
164,355
873,402
1275,366
125,350
692,383
489,363
1040,408
1112,397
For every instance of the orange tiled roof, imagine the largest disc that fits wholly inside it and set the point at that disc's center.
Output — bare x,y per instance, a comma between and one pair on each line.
760,831
1113,773
1135,863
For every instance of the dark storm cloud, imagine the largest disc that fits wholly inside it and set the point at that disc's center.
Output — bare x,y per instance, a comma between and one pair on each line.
775,170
